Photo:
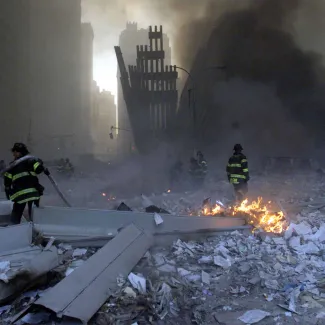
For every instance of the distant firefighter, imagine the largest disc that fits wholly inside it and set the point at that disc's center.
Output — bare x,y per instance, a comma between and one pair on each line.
237,172
202,163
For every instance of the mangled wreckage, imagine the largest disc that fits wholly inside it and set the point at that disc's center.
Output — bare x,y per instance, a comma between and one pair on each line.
122,271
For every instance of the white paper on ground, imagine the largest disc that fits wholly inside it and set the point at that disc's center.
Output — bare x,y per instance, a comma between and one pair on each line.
205,278
302,228
78,252
138,282
4,268
253,316
158,219
220,261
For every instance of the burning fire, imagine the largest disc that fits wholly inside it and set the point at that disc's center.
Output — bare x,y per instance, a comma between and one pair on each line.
258,214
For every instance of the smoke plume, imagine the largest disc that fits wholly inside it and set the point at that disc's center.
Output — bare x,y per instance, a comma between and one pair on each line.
272,53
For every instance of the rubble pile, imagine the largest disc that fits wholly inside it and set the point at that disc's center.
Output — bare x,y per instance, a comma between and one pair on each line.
222,278
234,278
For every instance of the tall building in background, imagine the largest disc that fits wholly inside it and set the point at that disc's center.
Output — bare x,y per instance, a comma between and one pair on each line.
103,116
128,41
87,76
41,85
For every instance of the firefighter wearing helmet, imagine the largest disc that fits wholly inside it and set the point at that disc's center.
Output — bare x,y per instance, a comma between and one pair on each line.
237,172
21,182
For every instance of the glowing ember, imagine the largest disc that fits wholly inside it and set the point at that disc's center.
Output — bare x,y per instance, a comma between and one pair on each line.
103,194
257,213
168,191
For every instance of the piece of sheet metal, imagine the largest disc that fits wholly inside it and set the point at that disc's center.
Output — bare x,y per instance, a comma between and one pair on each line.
74,221
15,237
84,291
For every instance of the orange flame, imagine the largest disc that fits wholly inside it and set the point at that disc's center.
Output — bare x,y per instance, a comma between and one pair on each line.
258,214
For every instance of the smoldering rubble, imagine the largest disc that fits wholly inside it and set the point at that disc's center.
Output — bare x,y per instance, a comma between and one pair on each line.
233,277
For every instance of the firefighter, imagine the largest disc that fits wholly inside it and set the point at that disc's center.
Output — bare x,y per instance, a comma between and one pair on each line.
237,172
202,163
196,172
21,182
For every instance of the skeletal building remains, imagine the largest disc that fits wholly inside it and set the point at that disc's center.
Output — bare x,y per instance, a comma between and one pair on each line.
150,92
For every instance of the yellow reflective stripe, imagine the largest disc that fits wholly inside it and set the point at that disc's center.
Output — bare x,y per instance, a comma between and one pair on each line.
8,175
23,174
237,176
234,165
22,192
244,160
36,165
30,199
245,170
20,175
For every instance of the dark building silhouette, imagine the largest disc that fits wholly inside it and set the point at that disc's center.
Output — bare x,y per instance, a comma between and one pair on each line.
128,41
150,91
40,84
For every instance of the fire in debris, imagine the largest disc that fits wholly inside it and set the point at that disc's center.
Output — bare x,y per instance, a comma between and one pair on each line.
259,214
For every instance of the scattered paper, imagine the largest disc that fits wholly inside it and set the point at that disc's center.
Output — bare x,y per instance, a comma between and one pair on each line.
205,278
78,252
158,219
138,282
253,316
302,228
220,261
4,268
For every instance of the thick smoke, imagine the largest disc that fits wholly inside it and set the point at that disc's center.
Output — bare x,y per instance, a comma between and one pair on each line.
271,89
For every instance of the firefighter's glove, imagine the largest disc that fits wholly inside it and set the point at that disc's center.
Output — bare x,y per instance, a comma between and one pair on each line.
46,172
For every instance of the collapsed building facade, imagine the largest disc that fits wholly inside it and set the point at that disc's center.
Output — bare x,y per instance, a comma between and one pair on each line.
150,92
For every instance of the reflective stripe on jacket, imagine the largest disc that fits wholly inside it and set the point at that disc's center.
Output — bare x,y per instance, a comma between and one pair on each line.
21,182
237,169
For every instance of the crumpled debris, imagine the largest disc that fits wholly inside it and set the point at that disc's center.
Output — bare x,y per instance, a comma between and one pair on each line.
4,269
79,252
253,316
138,282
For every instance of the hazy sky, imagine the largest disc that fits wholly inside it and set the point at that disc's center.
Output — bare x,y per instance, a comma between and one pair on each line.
108,19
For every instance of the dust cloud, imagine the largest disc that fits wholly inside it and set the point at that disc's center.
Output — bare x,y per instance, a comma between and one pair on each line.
272,86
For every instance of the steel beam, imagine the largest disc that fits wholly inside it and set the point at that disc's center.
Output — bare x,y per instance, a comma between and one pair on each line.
79,224
85,290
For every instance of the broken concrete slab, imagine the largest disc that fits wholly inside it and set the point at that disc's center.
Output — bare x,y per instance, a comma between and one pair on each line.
85,290
68,222
15,237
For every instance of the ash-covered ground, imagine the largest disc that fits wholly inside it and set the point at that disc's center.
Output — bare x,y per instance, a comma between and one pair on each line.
232,279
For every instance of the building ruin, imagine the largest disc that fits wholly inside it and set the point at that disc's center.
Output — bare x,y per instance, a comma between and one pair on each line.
150,92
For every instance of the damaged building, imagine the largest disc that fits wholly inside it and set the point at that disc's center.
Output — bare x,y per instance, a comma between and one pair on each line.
149,91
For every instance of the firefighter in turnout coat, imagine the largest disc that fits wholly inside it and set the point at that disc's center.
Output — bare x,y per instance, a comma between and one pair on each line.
21,182
237,172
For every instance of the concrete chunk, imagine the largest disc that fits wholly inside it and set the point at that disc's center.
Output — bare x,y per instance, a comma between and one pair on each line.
84,291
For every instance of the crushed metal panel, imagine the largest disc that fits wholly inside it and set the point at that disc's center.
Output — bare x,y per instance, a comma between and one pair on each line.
85,290
26,265
15,237
55,220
